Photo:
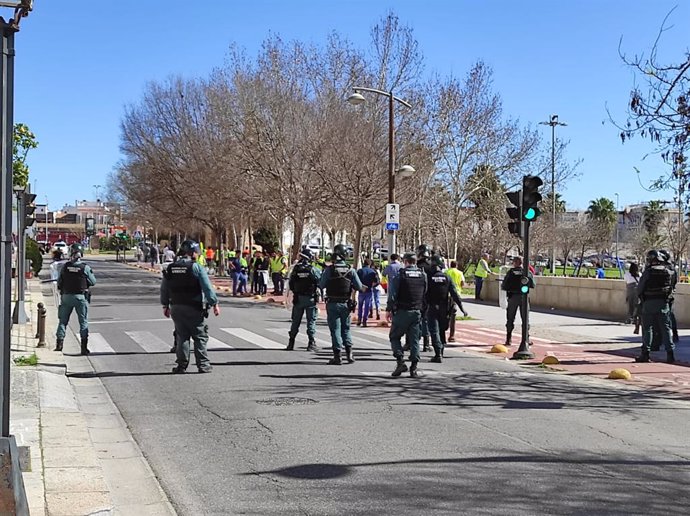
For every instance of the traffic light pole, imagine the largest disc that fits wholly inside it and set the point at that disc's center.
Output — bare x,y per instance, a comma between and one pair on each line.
524,353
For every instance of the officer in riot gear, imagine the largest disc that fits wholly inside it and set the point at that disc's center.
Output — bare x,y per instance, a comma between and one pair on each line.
186,293
665,258
441,293
424,254
303,284
512,284
406,303
654,289
73,283
339,280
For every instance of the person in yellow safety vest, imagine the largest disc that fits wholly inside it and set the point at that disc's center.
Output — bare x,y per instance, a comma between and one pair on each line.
278,268
458,279
384,278
481,272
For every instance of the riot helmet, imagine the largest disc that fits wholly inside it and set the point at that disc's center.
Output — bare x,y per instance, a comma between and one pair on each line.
76,250
423,251
339,251
306,254
410,258
437,261
189,247
664,256
653,257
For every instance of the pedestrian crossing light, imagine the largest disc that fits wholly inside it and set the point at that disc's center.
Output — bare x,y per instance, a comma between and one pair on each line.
531,197
514,226
524,285
29,209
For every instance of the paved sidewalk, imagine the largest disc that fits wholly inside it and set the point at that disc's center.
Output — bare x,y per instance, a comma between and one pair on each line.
83,457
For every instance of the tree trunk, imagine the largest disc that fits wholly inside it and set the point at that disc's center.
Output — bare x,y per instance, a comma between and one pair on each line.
357,244
297,233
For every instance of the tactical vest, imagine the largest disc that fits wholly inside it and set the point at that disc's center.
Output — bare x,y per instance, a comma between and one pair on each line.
185,289
439,285
74,278
302,281
339,284
659,284
411,292
513,280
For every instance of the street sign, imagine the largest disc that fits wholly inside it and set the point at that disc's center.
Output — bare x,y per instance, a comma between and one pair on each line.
392,226
392,214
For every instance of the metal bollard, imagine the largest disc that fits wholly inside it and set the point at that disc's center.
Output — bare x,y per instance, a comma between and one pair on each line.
41,326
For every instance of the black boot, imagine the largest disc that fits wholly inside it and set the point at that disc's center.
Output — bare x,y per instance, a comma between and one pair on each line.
336,359
311,345
437,358
644,357
179,369
348,355
58,345
84,346
508,339
291,344
378,315
670,357
426,344
413,370
401,367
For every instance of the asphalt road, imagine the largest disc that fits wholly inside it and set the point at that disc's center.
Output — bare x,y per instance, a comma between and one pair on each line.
272,432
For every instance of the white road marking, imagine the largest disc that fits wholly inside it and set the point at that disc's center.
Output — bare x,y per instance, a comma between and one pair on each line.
215,344
119,321
98,344
253,338
150,342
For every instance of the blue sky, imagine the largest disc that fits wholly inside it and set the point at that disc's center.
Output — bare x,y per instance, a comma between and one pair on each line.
79,62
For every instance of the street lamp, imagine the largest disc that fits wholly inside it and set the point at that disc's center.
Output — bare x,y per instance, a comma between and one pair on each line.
356,99
553,122
7,31
617,262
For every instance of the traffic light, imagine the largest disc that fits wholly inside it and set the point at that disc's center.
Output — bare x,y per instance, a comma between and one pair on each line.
29,209
531,197
515,225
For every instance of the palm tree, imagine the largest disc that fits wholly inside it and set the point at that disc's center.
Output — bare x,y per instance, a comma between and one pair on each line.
653,215
602,210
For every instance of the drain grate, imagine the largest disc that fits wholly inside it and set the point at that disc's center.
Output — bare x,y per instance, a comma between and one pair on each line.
279,402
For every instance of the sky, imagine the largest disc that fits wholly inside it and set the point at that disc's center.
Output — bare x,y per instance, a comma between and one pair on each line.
79,62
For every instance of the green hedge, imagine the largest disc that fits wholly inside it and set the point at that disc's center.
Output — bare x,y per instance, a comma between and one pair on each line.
33,253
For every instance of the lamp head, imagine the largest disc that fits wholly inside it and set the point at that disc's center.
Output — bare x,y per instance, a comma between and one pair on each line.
356,99
406,171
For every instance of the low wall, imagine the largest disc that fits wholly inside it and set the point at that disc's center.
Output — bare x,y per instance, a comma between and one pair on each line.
602,297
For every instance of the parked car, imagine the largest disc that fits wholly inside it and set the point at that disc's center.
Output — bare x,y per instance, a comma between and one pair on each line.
61,246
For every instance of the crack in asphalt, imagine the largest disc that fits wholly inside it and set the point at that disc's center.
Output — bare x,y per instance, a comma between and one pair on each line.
211,411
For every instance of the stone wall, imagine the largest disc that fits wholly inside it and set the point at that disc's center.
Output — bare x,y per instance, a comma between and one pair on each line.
604,297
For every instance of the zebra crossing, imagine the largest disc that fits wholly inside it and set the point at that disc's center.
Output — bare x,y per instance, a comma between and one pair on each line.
231,339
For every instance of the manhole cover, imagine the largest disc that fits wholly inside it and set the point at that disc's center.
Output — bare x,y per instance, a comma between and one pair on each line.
287,401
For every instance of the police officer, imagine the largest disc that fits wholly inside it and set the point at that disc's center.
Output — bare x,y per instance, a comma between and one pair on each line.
339,280
654,289
185,292
512,283
423,263
440,289
665,256
406,299
303,284
73,284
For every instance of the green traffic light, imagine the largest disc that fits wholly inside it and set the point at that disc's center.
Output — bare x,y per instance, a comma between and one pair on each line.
524,289
530,214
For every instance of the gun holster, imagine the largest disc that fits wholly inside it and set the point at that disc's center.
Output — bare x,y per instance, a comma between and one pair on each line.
351,304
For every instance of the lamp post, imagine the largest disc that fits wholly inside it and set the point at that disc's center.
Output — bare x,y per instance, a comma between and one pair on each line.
7,31
617,214
405,171
553,122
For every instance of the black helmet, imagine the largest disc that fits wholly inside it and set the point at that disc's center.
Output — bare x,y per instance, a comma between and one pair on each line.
339,251
410,257
76,249
306,253
189,247
653,256
437,261
423,251
664,256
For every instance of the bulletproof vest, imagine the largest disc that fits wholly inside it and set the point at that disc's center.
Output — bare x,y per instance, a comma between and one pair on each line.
411,293
339,284
303,283
437,292
184,288
74,278
512,281
659,284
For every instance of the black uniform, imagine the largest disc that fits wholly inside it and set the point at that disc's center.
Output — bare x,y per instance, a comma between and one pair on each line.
512,283
438,297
